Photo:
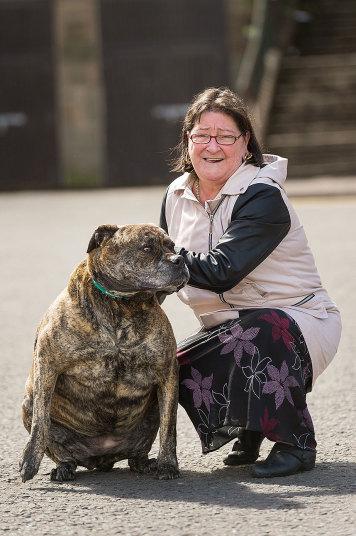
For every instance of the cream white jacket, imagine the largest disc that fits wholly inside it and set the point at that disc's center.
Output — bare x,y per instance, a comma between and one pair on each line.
247,248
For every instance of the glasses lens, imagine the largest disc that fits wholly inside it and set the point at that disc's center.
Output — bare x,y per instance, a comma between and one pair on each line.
221,140
225,140
200,138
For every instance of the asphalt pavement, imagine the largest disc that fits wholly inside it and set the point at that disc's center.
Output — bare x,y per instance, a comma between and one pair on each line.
43,236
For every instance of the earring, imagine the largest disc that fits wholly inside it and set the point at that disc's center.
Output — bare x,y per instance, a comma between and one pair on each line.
247,157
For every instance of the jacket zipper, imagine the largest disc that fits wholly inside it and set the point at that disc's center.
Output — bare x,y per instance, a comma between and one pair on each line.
221,296
211,218
304,300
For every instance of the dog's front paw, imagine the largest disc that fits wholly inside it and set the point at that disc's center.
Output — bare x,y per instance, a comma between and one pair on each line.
29,468
30,462
167,471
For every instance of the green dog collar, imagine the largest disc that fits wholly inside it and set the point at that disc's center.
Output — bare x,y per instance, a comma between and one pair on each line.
112,294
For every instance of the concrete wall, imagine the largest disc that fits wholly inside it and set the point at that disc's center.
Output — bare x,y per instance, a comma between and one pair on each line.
81,108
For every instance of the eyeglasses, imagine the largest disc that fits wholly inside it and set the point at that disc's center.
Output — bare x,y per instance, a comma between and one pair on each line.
220,139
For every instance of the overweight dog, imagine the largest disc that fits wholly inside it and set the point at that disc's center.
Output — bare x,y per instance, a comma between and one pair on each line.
104,373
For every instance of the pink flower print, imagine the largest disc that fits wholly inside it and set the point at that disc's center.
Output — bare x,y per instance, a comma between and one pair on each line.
280,384
201,388
238,341
280,327
268,425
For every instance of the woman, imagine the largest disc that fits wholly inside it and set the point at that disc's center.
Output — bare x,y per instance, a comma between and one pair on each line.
269,328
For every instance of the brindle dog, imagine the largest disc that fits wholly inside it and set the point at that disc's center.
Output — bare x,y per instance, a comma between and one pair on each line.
104,373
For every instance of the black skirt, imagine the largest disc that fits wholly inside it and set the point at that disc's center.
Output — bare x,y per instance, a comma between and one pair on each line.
251,373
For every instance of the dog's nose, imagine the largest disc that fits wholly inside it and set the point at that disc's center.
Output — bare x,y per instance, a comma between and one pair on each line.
177,259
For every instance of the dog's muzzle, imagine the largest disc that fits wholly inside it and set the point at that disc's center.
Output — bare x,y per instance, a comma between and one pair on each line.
176,259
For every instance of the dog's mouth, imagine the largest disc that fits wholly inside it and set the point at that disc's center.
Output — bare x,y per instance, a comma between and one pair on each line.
177,280
170,288
107,285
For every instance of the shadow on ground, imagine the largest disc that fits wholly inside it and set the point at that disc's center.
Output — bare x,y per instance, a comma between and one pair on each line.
227,487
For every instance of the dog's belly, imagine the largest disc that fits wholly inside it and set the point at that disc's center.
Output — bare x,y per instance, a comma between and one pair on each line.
83,448
94,401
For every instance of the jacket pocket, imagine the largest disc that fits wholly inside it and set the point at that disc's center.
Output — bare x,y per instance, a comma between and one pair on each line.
247,293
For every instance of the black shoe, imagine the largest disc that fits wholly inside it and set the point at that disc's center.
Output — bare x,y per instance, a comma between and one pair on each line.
284,460
246,449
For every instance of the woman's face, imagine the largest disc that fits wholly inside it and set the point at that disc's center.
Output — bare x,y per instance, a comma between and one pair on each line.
213,162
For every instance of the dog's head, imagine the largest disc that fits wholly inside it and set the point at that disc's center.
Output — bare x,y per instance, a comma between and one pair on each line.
135,258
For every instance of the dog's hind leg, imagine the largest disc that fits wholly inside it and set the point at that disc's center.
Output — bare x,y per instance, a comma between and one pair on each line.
64,472
142,464
106,462
66,464
68,449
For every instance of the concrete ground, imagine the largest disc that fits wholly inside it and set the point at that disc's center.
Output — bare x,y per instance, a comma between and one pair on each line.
43,236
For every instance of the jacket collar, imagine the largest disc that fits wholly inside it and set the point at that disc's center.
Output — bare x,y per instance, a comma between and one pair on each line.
240,180
235,185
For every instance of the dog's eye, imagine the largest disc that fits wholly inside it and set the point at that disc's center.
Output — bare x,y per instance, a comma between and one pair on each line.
147,249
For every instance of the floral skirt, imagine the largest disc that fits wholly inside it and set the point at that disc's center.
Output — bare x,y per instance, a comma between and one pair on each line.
251,373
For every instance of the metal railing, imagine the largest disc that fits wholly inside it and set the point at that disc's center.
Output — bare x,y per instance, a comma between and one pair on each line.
269,34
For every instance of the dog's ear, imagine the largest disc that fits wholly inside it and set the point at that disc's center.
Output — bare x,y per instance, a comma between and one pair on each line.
104,232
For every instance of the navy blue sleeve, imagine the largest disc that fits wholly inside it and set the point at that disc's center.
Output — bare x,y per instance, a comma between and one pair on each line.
260,220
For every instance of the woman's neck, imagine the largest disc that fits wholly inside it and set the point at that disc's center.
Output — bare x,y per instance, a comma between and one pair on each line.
205,191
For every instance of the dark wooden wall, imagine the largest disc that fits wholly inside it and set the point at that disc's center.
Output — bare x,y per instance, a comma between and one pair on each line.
157,54
28,155
154,56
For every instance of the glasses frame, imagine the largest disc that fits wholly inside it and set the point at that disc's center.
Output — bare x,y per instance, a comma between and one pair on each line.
216,139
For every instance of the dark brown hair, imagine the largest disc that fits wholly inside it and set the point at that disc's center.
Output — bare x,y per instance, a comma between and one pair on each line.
213,99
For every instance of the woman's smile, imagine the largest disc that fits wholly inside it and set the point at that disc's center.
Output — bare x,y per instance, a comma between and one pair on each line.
212,160
214,163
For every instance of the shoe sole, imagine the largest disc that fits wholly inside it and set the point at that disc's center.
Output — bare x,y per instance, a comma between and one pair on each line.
231,463
301,470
